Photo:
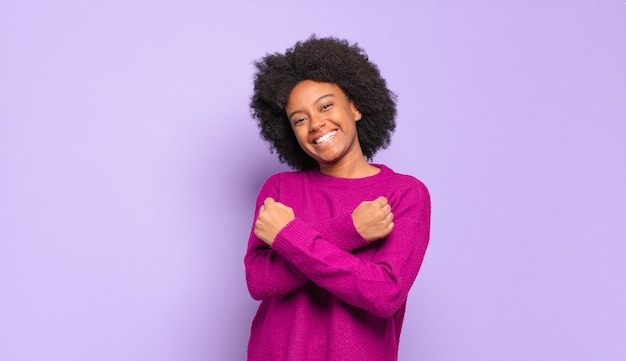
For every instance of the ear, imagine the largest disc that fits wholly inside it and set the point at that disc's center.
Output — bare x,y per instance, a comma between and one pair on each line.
357,113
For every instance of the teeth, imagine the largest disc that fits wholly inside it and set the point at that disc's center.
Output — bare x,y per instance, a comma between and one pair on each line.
326,137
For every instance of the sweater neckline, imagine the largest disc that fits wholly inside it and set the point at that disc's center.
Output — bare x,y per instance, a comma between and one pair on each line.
326,180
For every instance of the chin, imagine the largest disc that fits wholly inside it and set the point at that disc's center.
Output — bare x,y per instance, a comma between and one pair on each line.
326,161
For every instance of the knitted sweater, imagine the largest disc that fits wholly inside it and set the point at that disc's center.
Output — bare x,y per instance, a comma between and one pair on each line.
327,293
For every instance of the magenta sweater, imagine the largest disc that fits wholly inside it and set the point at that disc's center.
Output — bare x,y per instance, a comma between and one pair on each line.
327,293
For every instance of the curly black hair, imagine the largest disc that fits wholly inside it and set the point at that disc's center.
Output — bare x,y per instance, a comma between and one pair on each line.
329,60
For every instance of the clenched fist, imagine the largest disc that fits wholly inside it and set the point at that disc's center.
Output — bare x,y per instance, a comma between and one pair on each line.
273,216
373,219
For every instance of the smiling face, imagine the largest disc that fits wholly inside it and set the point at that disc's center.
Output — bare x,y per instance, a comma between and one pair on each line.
324,122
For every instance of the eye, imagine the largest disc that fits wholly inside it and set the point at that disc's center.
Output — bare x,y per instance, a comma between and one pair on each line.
299,121
326,106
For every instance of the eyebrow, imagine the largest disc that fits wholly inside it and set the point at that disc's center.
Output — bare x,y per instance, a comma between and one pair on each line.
315,102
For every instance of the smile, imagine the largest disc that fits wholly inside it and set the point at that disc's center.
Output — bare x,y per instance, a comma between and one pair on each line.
325,138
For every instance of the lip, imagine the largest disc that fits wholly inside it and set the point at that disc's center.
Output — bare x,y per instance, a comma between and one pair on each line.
332,134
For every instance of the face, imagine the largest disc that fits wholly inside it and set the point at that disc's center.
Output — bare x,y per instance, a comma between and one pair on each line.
324,122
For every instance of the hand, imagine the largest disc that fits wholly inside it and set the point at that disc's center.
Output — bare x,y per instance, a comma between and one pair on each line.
373,219
273,216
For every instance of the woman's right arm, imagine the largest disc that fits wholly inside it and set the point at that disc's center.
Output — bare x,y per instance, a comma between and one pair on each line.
268,274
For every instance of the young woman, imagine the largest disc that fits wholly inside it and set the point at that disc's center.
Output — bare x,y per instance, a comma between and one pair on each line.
336,245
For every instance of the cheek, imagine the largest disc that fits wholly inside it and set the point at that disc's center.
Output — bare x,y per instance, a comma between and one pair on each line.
300,135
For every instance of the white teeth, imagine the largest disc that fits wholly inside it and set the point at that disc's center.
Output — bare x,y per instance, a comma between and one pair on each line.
324,138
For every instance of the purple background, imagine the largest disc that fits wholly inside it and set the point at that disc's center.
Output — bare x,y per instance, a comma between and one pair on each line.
129,165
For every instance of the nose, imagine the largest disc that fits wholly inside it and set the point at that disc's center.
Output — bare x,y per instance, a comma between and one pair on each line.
316,123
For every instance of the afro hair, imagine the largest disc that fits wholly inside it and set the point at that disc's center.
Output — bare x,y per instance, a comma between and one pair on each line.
327,60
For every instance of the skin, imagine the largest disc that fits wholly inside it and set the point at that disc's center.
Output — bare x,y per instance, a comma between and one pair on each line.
317,109
323,120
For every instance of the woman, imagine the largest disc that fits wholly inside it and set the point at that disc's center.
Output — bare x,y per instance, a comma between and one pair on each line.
337,244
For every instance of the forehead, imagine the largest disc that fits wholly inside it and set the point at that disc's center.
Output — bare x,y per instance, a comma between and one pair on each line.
307,92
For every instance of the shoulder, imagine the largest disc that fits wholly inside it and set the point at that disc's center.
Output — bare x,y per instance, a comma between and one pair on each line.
277,179
406,192
404,181
282,181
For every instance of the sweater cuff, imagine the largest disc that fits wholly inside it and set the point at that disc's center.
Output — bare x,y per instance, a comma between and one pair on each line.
345,234
293,238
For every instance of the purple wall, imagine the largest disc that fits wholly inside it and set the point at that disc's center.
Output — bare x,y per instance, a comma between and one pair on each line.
129,165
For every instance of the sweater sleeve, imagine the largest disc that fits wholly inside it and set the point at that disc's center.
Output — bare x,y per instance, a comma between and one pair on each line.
340,231
268,274
379,285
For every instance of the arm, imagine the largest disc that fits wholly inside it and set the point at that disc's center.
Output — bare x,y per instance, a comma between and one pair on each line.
340,231
379,285
268,274
369,221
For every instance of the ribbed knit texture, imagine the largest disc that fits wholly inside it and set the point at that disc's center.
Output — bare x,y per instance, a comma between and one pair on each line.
327,293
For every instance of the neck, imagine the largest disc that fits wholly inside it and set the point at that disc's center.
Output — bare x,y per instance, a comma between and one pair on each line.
358,168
